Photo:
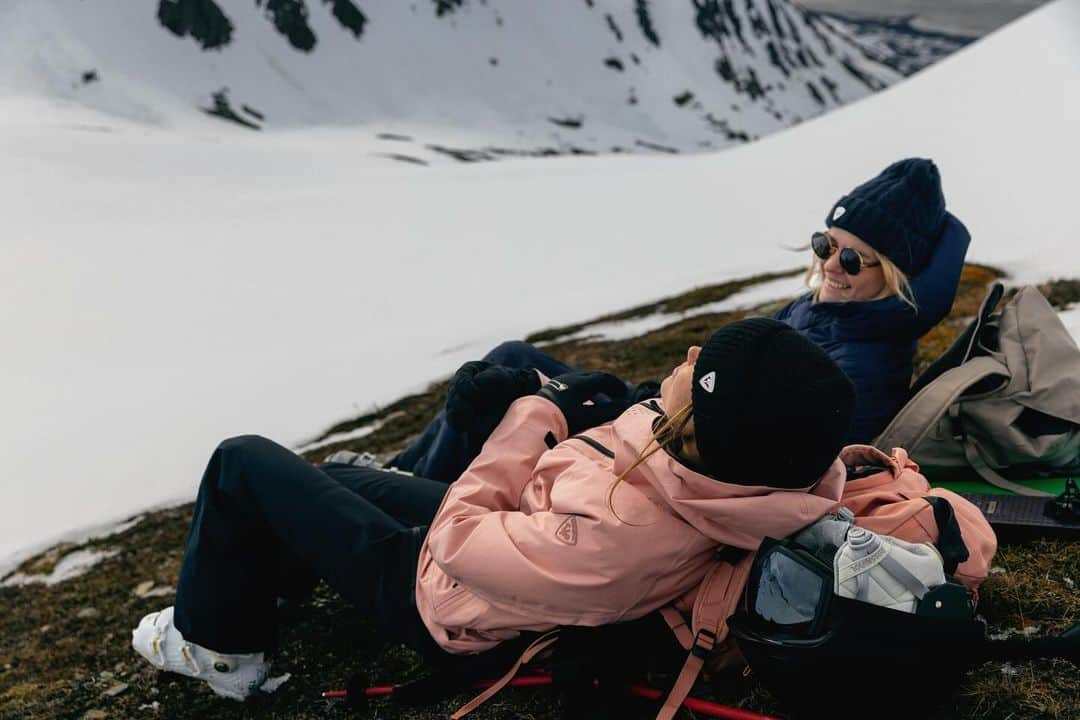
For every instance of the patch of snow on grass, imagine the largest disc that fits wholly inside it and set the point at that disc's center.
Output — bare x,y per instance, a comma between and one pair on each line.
272,684
72,565
354,434
1009,632
76,537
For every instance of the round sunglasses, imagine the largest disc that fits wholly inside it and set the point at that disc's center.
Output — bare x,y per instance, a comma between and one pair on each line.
824,245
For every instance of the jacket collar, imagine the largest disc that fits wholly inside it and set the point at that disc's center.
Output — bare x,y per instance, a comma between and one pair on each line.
729,513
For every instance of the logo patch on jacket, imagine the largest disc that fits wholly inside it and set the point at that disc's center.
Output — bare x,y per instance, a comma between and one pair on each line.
567,532
708,381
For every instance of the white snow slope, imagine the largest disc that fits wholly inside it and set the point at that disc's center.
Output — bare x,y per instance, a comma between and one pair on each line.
163,288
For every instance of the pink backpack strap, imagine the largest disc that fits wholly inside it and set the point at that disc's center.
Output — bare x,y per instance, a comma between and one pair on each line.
677,622
539,645
716,600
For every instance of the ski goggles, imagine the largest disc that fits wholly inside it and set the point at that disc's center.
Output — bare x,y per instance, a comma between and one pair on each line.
791,596
824,245
789,591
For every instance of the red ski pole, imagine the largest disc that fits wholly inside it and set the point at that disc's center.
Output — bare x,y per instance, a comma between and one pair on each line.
704,707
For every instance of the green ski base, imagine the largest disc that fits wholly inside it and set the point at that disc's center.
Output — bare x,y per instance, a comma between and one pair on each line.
969,482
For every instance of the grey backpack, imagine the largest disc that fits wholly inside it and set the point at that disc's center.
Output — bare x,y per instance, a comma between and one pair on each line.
1005,395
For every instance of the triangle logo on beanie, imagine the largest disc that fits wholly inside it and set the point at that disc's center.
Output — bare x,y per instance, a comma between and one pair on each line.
838,212
708,381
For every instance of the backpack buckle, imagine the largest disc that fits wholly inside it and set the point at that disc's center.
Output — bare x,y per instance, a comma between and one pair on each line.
704,642
958,434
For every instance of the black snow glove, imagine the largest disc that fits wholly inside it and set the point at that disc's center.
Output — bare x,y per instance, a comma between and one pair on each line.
481,389
570,391
645,391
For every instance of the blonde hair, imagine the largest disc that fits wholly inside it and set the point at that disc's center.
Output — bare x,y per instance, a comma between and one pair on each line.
896,282
670,431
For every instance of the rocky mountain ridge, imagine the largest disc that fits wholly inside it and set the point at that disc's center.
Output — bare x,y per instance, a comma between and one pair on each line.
467,79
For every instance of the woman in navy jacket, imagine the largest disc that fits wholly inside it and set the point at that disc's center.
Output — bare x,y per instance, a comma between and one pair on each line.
883,273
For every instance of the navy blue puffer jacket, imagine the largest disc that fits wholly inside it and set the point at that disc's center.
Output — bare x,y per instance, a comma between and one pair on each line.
874,341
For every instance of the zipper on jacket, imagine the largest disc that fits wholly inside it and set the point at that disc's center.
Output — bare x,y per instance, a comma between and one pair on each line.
595,445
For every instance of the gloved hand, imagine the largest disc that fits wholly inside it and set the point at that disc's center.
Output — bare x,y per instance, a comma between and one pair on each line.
644,391
570,391
480,388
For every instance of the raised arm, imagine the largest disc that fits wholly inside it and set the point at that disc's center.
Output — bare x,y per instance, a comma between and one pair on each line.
497,477
934,289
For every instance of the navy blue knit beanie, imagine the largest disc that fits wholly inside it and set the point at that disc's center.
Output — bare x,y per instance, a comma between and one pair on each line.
900,213
769,406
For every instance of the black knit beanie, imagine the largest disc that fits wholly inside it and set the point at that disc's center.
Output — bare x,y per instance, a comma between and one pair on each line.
900,213
769,406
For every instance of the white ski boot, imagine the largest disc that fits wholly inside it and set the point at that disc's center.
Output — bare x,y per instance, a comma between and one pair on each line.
232,676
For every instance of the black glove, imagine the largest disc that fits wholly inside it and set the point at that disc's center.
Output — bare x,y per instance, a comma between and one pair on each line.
644,391
570,390
480,389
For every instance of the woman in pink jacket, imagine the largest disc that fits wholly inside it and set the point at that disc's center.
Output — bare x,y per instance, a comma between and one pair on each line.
558,521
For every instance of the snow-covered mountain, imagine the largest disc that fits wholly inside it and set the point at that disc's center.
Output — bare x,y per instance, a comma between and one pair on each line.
896,41
517,76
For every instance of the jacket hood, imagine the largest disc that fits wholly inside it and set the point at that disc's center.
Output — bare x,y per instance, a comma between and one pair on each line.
733,514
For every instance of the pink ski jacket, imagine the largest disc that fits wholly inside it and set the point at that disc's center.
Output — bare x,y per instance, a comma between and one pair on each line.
525,540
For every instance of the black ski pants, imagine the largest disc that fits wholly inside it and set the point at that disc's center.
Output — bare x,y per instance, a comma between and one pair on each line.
262,508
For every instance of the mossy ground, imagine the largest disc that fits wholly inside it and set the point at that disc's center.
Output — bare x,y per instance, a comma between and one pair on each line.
64,648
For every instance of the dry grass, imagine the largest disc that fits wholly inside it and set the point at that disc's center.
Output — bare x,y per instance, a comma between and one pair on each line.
676,303
974,281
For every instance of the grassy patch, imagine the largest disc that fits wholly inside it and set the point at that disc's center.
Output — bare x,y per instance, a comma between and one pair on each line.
1034,585
409,416
674,304
1061,293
